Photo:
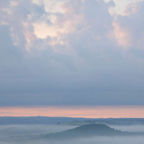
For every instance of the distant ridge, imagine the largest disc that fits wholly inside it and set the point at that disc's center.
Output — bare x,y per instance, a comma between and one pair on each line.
69,121
89,130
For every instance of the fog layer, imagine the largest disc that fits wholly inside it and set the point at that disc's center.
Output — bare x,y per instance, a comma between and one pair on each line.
15,134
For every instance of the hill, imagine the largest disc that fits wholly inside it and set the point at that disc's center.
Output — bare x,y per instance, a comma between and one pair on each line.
89,130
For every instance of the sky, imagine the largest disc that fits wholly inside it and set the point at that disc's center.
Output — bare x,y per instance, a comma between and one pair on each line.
75,111
71,53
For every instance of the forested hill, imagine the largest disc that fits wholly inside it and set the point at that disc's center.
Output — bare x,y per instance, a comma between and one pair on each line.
89,130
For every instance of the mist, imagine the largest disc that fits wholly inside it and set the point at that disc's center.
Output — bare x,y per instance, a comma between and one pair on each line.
15,134
131,128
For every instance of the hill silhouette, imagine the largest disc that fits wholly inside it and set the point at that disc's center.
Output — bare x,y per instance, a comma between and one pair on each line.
90,130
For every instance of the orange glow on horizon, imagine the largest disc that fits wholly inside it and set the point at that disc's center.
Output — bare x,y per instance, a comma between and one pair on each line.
76,111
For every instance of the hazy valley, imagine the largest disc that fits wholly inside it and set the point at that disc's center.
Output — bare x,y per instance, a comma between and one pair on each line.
39,134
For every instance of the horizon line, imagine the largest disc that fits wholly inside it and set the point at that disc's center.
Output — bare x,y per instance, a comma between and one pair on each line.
74,111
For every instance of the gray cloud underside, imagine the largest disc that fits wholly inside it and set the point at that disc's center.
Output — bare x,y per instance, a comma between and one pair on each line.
98,60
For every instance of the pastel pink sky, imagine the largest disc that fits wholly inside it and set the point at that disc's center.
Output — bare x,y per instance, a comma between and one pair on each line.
77,111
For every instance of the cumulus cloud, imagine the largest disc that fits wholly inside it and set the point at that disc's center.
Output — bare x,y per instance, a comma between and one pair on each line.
129,27
82,55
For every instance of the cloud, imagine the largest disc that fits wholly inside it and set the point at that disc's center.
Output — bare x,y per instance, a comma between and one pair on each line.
93,57
129,27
